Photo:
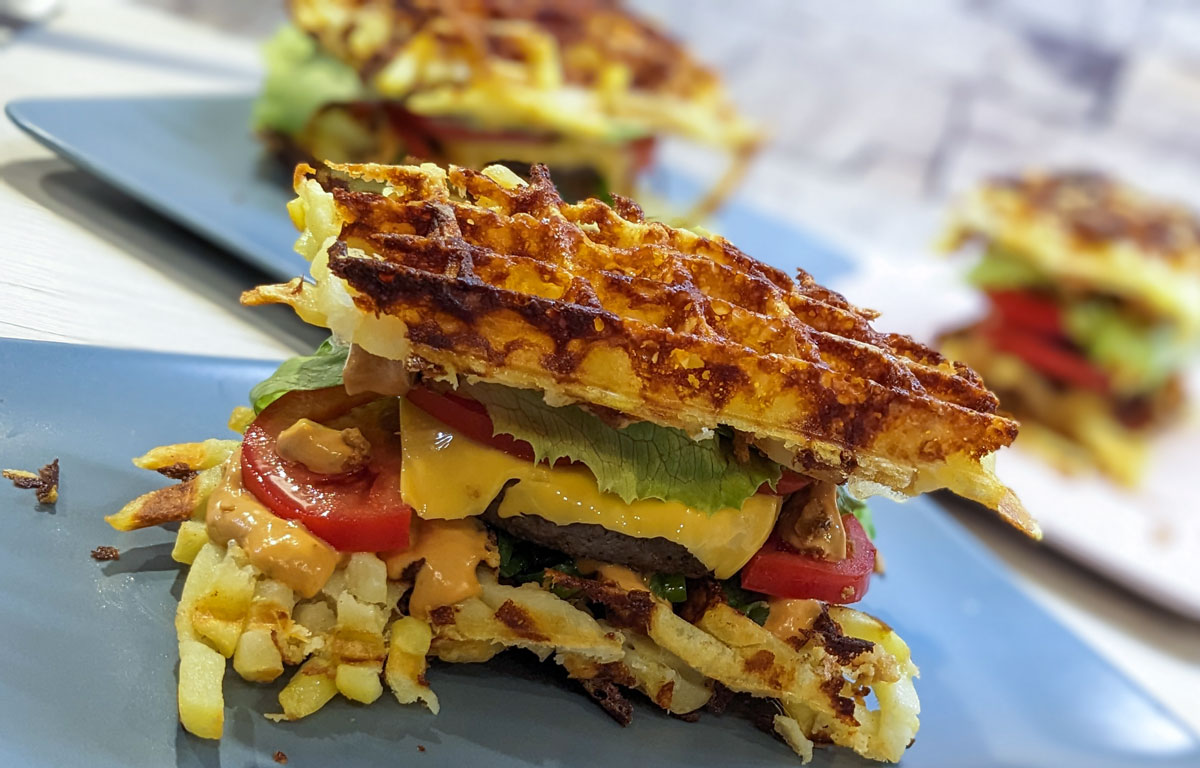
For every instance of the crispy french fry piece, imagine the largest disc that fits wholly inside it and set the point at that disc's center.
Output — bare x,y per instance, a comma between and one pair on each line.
360,627
366,578
219,614
335,585
776,669
182,501
193,456
713,658
201,700
727,647
309,689
258,655
198,582
316,616
793,735
191,537
358,647
883,733
360,681
408,645
531,617
662,676
464,651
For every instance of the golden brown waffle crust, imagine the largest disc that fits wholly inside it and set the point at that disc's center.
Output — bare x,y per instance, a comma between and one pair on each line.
1094,233
480,275
576,66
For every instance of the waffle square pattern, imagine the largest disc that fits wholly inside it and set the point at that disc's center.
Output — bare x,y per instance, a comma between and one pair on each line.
480,274
582,68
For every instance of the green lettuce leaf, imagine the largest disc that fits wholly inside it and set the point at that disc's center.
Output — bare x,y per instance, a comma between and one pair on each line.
849,505
639,461
752,604
321,369
999,270
300,80
1139,356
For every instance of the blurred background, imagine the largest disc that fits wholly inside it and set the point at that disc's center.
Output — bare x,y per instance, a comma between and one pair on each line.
879,112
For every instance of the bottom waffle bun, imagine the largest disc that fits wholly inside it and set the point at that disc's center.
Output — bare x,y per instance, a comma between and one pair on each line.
844,678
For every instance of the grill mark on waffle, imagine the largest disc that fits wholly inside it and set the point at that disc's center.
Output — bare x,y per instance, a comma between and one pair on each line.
703,298
501,278
572,328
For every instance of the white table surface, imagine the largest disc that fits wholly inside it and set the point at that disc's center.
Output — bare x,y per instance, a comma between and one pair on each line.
81,263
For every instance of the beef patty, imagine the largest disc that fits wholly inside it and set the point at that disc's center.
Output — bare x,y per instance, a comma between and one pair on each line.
598,543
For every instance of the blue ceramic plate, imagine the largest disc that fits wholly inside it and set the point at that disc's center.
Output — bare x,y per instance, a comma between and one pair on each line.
195,160
89,648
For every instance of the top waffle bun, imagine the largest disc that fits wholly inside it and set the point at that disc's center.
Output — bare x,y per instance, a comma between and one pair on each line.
1092,232
479,274
579,67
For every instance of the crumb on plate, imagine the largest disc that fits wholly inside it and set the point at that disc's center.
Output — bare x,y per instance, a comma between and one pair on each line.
105,552
44,483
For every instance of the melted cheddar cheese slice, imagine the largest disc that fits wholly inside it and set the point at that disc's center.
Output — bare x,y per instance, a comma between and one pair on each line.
447,476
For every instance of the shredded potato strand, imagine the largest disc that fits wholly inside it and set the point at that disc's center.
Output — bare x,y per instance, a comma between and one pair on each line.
352,638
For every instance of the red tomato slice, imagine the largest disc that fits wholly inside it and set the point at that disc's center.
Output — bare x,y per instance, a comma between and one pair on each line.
357,511
449,130
789,483
779,570
424,129
1021,309
643,152
413,131
420,134
470,418
1051,357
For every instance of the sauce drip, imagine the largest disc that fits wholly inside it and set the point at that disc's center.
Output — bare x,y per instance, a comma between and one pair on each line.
282,549
323,449
451,549
814,524
789,618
